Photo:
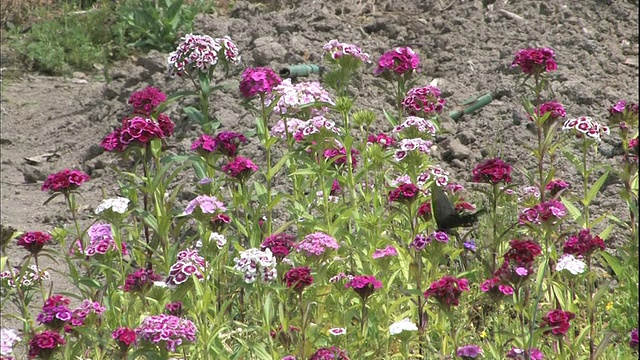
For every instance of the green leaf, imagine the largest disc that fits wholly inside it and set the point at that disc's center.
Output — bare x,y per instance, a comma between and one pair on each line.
55,195
595,188
614,263
274,169
573,211
194,115
390,118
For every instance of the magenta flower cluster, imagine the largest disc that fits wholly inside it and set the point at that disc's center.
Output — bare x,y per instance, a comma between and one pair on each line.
623,112
388,251
169,330
258,81
137,131
547,212
535,61
200,53
317,243
141,280
519,354
65,181
469,352
124,336
404,193
447,290
145,101
292,97
555,109
398,61
556,186
364,285
586,126
34,241
381,139
332,353
188,263
424,100
239,168
226,143
336,50
56,315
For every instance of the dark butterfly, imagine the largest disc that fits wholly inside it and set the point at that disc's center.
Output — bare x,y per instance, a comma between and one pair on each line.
444,213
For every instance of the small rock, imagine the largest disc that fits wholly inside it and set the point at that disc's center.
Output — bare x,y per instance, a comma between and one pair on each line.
92,152
4,141
455,150
466,137
267,50
153,62
33,174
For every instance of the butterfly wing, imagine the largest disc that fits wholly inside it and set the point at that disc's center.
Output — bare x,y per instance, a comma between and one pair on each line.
443,210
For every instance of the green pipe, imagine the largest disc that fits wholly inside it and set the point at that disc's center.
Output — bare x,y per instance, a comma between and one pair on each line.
476,104
293,71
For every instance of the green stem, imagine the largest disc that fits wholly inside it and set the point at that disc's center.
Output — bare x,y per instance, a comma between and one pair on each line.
267,146
585,182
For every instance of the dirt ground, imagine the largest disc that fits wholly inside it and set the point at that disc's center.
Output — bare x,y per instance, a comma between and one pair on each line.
57,122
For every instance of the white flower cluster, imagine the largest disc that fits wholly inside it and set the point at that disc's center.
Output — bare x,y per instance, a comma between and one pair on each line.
118,205
571,263
200,53
254,262
219,239
421,124
8,338
407,145
403,325
31,276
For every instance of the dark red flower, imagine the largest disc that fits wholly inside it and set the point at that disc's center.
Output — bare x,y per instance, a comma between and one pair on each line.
558,320
404,193
447,290
424,211
280,244
34,241
583,243
492,171
145,101
382,139
298,278
228,142
124,336
65,181
140,280
43,344
332,353
535,61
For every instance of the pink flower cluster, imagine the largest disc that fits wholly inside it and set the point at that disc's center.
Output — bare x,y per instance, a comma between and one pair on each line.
424,100
174,308
56,314
492,171
254,262
469,352
280,244
547,212
140,280
407,145
34,241
586,126
205,204
145,101
388,251
447,290
292,97
137,131
226,143
624,112
400,60
101,240
404,193
124,336
332,353
239,168
364,285
44,344
535,61
382,139
494,286
435,173
555,186
171,330
336,50
8,338
293,125
65,181
558,320
583,243
317,243
188,263
417,123
258,81
316,125
553,107
200,53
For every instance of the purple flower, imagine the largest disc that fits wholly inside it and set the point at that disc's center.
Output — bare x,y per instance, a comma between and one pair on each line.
292,98
317,243
492,171
633,342
420,242
519,354
168,329
470,245
140,280
469,351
